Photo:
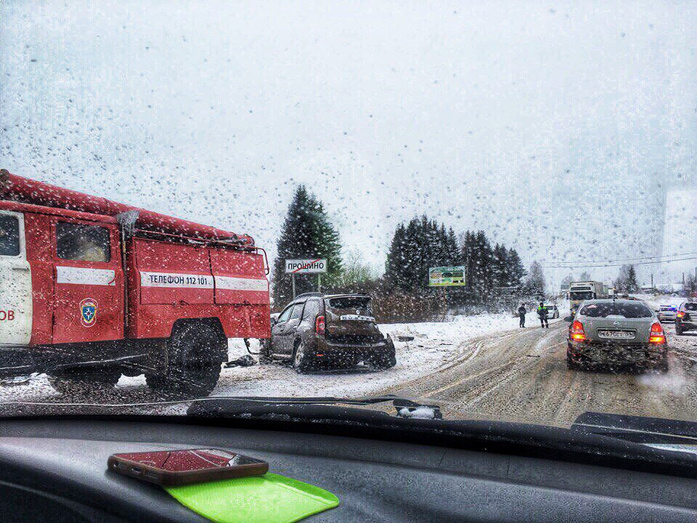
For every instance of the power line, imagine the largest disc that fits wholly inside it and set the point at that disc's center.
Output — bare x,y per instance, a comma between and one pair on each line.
617,263
638,258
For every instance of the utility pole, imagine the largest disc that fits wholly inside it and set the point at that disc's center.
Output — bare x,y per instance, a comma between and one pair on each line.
651,280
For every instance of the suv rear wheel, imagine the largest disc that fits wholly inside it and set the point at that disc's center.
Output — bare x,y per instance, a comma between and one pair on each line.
679,329
301,359
195,353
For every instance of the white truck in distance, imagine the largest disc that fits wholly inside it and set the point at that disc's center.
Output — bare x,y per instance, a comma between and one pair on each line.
585,290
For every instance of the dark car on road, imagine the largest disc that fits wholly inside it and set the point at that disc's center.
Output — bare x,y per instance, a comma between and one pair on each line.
331,331
616,333
686,317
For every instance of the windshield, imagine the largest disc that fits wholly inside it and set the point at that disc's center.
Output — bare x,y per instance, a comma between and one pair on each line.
301,200
626,310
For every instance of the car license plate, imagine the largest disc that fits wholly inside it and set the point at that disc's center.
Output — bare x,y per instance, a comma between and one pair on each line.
356,317
617,335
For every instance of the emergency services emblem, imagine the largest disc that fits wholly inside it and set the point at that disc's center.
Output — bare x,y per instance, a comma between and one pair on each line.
88,312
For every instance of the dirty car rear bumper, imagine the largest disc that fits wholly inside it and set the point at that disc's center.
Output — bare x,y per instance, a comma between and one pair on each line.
617,354
354,350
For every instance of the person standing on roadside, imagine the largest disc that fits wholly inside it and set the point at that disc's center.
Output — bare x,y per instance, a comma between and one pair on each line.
542,313
522,311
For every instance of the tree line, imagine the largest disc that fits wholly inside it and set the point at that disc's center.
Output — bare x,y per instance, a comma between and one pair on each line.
423,243
491,270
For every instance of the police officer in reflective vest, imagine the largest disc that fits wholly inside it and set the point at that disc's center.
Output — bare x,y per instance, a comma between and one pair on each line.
542,313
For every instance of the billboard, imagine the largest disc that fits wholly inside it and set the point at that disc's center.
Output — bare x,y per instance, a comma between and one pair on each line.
309,266
446,276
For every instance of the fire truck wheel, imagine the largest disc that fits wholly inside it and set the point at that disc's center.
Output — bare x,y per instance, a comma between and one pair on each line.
83,381
195,353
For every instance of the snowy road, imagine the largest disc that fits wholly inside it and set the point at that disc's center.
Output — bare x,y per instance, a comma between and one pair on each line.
480,366
522,375
434,346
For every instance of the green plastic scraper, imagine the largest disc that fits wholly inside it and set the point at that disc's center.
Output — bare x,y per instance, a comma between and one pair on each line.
269,498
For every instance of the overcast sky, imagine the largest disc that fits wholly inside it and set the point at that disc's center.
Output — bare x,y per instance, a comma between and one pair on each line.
562,129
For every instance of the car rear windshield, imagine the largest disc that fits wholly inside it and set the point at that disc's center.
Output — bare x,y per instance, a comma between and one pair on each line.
628,310
667,308
358,303
691,306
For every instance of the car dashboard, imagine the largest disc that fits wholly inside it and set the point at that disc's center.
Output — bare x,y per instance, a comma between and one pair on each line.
56,470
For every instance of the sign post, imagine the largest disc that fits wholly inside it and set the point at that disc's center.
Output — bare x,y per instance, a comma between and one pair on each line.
309,266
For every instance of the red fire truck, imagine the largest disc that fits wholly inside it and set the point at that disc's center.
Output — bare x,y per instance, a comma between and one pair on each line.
91,289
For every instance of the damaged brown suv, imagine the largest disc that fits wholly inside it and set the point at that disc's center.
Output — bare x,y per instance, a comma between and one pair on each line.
330,331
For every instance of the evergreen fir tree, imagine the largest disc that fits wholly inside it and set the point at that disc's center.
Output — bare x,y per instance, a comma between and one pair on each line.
632,284
535,284
306,233
414,249
516,270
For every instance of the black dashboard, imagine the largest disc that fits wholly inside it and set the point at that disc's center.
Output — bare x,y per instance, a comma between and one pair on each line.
55,470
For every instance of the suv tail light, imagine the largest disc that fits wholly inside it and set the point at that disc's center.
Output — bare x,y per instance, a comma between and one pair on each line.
577,333
319,325
657,335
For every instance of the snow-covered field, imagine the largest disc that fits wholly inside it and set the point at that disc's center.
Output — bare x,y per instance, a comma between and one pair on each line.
434,345
422,348
655,301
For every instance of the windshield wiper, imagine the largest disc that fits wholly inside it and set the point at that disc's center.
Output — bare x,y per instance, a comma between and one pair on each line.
637,429
228,406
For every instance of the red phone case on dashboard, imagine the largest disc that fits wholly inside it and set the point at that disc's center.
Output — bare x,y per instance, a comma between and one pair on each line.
187,466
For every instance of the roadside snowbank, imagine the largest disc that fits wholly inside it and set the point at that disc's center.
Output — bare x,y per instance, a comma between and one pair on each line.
433,345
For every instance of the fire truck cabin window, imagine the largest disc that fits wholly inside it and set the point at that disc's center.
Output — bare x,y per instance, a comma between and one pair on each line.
82,242
9,235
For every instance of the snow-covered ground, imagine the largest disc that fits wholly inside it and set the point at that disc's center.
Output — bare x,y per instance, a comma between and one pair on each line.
682,347
662,299
434,345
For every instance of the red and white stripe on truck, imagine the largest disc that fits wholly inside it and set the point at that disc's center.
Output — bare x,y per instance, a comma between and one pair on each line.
171,281
167,270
